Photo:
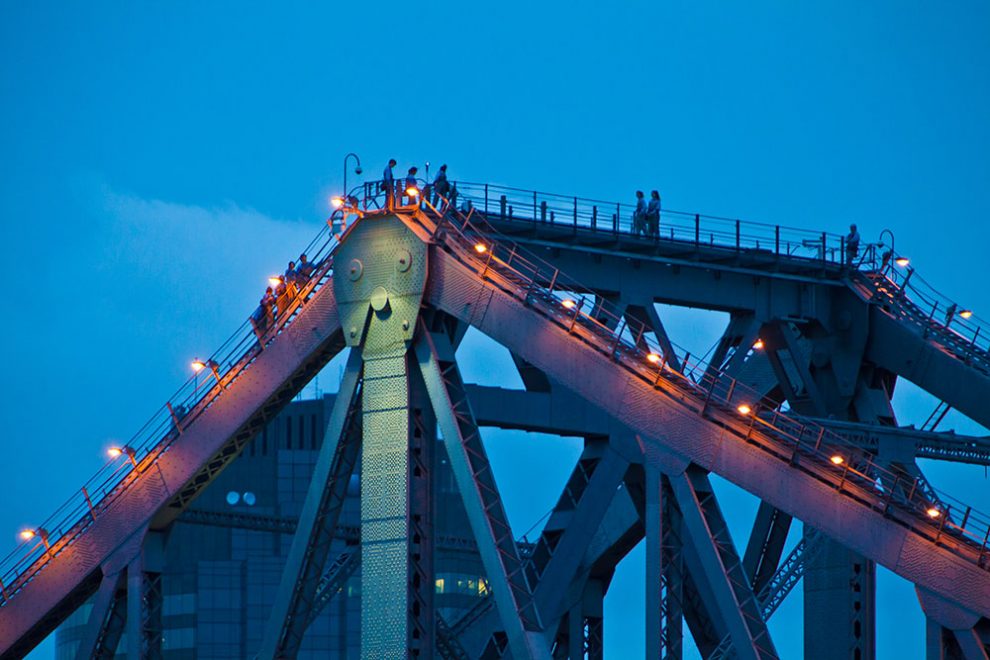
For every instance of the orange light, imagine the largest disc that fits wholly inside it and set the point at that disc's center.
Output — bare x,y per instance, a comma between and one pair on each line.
568,303
275,280
652,357
966,313
480,248
744,409
337,202
837,460
114,452
27,534
758,345
902,261
412,191
933,512
198,365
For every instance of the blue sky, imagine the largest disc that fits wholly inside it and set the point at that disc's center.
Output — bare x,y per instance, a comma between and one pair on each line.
159,159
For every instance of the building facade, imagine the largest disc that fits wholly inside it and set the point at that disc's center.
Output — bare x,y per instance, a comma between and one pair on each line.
224,555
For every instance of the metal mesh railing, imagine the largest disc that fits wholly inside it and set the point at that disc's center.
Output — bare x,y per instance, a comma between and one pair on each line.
714,397
223,368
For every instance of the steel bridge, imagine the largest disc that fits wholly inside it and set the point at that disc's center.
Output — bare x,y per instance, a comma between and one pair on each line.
792,405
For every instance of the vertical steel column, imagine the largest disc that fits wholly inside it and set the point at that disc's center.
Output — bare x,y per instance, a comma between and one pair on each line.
385,572
144,599
422,445
654,562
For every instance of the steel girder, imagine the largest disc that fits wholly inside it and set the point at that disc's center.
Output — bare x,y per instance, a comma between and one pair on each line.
163,488
561,412
504,316
106,620
476,482
314,534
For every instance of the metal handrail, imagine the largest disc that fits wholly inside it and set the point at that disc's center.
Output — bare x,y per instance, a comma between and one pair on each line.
715,397
153,439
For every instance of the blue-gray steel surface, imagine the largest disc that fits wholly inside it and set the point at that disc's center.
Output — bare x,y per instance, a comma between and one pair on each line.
724,441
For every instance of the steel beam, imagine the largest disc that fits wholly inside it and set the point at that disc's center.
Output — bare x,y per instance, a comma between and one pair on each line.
576,518
106,620
766,545
482,502
317,522
654,563
722,568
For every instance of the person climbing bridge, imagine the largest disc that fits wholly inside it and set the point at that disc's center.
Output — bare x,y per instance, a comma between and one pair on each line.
852,244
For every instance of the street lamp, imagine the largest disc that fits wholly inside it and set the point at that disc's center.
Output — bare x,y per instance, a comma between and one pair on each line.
357,170
891,253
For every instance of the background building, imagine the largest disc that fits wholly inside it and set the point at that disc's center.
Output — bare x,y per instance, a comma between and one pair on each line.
224,555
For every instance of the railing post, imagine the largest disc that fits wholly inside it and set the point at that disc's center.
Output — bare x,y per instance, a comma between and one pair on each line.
824,256
842,251
697,230
594,217
776,239
89,503
615,219
543,211
737,236
575,212
486,200
534,205
501,204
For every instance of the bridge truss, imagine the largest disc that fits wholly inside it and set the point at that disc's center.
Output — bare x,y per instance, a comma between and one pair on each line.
804,423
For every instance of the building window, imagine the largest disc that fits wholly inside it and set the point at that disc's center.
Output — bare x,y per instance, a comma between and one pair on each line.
233,498
249,498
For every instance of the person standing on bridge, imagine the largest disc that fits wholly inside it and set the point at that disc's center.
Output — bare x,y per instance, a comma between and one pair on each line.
441,187
411,185
388,182
852,244
653,215
639,215
304,270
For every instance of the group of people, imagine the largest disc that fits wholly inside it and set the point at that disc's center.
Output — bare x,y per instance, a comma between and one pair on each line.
646,216
283,290
440,192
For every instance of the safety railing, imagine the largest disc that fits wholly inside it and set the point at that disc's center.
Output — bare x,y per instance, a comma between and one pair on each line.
514,204
907,296
138,458
690,229
714,396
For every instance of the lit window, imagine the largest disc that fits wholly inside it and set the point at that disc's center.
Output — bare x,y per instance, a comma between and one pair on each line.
233,498
249,498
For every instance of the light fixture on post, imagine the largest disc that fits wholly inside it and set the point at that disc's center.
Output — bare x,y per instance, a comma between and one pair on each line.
966,313
758,345
197,365
41,532
357,170
116,452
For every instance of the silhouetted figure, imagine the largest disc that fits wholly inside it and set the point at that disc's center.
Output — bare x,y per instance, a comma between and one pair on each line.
263,318
411,185
639,214
653,215
291,279
950,313
304,270
852,244
388,182
441,188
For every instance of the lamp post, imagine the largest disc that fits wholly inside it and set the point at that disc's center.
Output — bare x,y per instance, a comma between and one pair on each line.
357,170
889,254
